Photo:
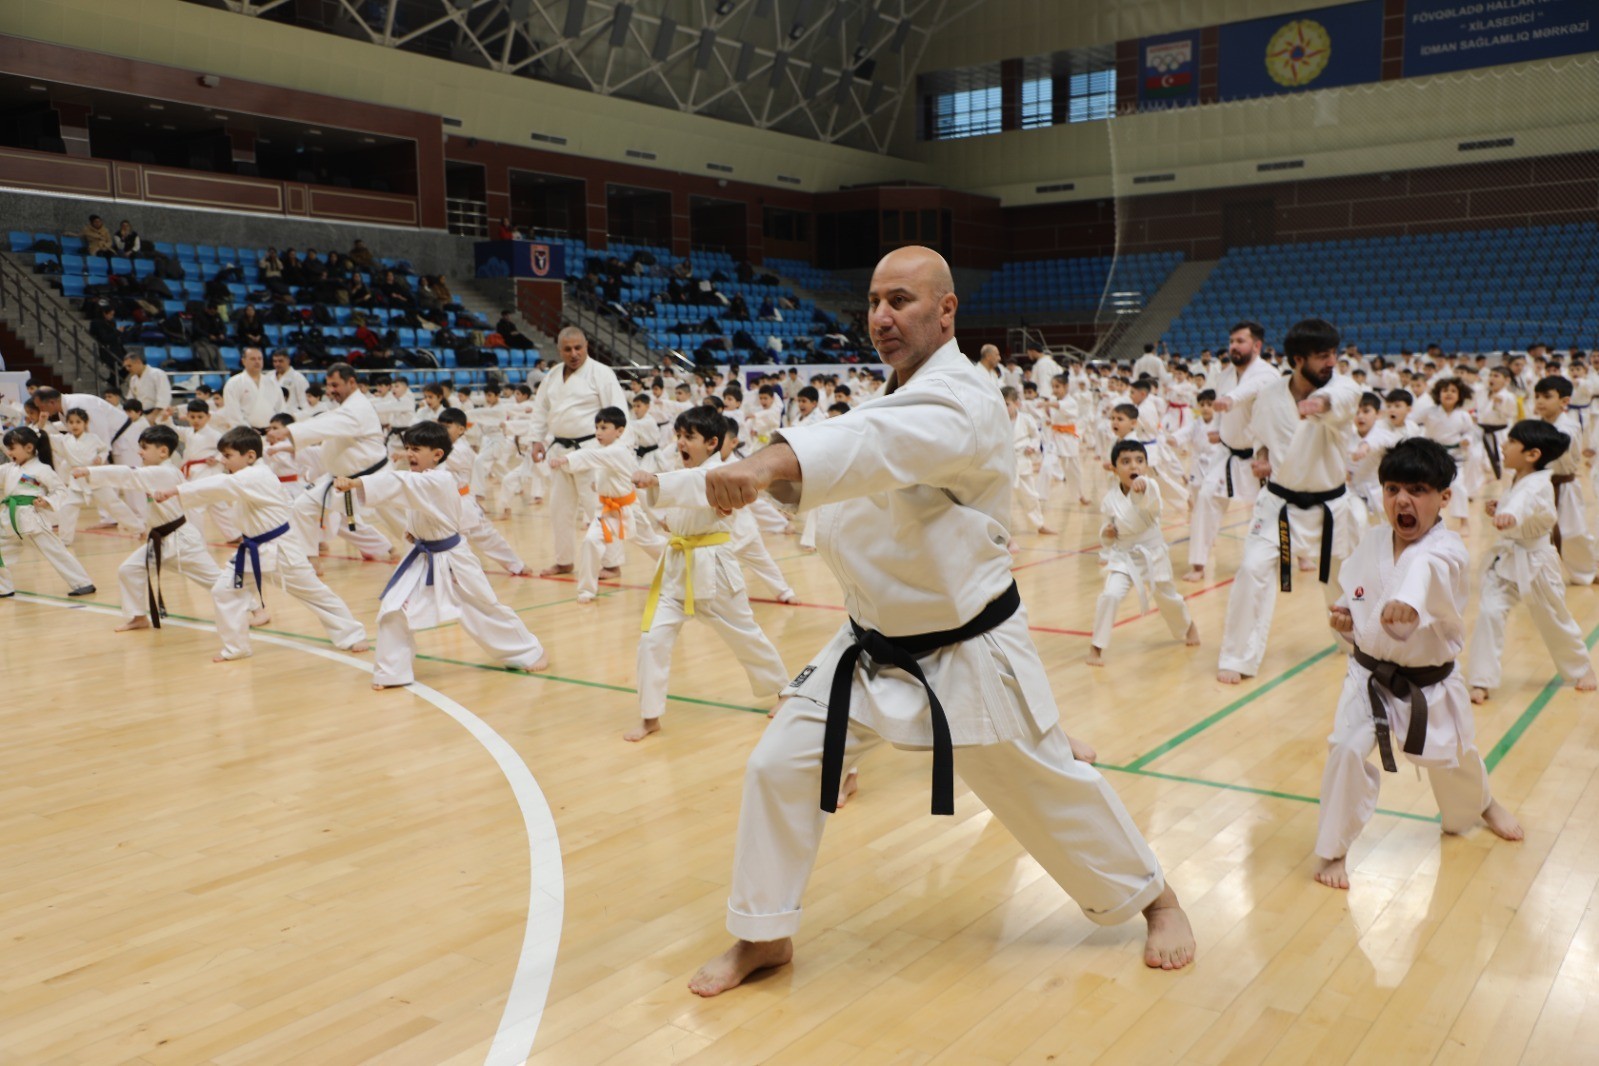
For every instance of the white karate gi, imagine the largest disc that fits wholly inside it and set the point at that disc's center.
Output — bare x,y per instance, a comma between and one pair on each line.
1307,455
151,388
496,455
720,599
1213,501
1431,576
1455,431
248,402
201,459
749,548
475,525
262,504
917,488
1029,460
459,590
564,407
615,524
183,549
1364,487
1065,425
33,479
1578,554
1525,568
351,438
88,450
1136,558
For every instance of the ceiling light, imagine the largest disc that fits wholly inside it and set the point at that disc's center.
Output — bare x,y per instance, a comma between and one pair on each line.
575,10
619,24
663,40
779,65
707,48
725,7
746,60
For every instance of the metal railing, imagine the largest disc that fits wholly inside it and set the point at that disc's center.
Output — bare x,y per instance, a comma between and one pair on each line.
466,218
24,302
619,341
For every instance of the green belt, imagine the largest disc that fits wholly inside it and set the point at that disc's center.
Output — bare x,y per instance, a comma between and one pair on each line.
11,504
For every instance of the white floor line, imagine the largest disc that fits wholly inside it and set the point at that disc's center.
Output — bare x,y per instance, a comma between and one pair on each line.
524,1006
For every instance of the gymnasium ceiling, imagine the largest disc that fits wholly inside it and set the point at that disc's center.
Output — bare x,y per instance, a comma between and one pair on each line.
830,70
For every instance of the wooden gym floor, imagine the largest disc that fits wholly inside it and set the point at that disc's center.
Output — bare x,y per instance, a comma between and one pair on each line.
265,862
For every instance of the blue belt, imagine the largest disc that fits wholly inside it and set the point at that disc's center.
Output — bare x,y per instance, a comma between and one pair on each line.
251,546
428,548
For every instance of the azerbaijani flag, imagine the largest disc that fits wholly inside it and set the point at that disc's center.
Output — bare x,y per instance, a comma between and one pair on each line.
1176,83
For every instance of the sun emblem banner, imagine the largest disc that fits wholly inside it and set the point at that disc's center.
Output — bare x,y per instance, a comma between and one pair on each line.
1317,49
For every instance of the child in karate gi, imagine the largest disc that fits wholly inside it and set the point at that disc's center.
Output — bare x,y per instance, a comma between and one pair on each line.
697,576
747,546
1525,567
1402,611
1374,435
267,547
611,464
28,484
439,580
1135,552
1063,410
80,447
200,458
1029,460
1450,424
475,525
170,536
1571,537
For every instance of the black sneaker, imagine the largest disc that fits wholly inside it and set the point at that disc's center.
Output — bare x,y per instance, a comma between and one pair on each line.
87,590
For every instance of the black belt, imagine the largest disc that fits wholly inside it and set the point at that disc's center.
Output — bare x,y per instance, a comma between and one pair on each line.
1407,683
1559,481
152,568
573,443
1237,453
1285,552
642,452
349,498
1490,441
902,652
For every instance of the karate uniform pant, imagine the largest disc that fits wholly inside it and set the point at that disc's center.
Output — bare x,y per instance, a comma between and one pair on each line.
573,502
310,520
1173,608
1350,782
490,470
808,534
733,621
182,552
55,553
768,519
1577,552
497,629
1459,505
1212,504
756,559
528,478
1255,586
594,554
1061,810
101,500
297,578
1069,465
1025,492
485,539
221,517
1546,603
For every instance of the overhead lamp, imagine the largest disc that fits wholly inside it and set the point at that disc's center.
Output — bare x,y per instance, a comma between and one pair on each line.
619,23
707,48
663,40
746,60
813,80
796,31
779,66
725,7
575,10
901,33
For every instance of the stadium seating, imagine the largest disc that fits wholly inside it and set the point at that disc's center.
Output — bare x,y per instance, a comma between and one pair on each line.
1468,291
1040,286
813,279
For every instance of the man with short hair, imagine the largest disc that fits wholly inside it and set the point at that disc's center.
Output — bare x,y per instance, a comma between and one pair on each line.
563,418
250,398
917,490
1149,365
290,381
147,384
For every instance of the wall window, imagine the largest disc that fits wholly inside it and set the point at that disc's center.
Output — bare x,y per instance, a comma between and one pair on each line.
1038,99
1093,96
966,113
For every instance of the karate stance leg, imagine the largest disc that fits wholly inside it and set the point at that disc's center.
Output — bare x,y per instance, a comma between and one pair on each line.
655,656
1461,791
1205,524
1349,783
1551,615
497,629
396,651
1032,505
67,521
565,491
487,541
767,517
1487,647
115,508
66,564
734,622
134,584
808,534
233,613
589,555
301,582
1173,608
780,819
1117,586
756,559
1249,608
1069,819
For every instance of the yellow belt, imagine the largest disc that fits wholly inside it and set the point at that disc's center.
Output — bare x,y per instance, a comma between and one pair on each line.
686,545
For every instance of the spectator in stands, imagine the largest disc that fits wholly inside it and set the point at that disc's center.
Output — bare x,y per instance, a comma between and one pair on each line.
392,292
769,311
97,237
684,269
249,331
104,330
504,231
738,309
745,272
358,295
361,256
506,328
293,268
427,296
271,268
125,242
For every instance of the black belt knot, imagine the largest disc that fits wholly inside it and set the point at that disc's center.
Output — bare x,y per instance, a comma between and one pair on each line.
1490,441
1406,683
1237,453
152,568
1285,550
573,443
903,652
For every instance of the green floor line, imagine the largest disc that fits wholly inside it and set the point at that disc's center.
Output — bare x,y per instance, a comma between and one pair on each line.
518,610
435,659
1530,715
1205,723
1273,793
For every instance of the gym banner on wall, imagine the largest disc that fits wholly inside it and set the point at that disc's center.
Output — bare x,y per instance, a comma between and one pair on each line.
1168,71
1319,49
1448,35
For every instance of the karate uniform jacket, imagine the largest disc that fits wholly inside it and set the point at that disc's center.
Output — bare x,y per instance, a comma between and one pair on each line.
432,505
1139,547
32,478
678,502
350,435
1524,552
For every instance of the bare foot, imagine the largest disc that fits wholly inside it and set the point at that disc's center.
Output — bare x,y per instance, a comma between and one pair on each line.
1082,501
1046,531
1195,574
1191,638
141,622
645,727
357,649
733,966
227,658
260,618
1082,751
379,688
1502,822
555,571
1333,873
317,567
537,668
1479,695
1306,566
850,786
586,597
1229,677
1170,944
610,573
1588,682
1095,656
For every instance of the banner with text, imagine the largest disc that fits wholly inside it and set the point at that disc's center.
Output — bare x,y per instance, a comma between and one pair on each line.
1168,71
1447,35
1319,49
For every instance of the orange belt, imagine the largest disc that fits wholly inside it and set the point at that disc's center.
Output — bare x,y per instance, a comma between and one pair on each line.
466,490
617,505
1069,428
